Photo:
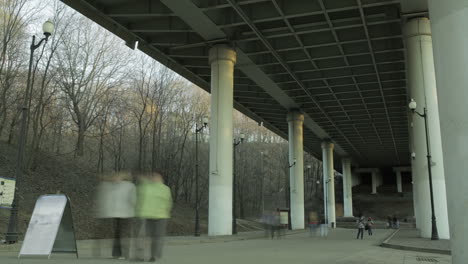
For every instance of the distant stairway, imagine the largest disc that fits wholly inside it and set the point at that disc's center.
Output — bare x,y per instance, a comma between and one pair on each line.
387,189
387,202
350,222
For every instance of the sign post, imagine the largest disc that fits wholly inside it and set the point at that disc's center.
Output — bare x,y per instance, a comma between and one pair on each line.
50,228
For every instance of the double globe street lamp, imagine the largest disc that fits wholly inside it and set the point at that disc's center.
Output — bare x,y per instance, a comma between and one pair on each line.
412,106
12,233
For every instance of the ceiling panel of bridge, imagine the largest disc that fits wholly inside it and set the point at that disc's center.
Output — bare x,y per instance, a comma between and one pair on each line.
341,61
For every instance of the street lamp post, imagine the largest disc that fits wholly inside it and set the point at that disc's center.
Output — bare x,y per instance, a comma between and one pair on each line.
324,198
12,233
263,179
197,202
288,195
234,181
309,178
412,106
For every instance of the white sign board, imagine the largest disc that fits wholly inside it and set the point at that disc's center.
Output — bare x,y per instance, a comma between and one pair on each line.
284,216
50,228
7,192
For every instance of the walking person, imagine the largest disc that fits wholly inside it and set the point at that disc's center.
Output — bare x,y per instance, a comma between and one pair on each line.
389,222
396,223
276,224
323,228
360,225
313,223
115,205
369,225
153,208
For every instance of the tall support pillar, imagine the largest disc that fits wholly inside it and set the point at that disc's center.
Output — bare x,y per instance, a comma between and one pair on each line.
222,60
375,181
398,182
449,20
421,82
347,188
329,182
296,171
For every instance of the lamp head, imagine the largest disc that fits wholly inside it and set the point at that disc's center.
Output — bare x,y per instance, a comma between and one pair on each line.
242,136
309,166
318,182
294,161
48,28
205,121
412,105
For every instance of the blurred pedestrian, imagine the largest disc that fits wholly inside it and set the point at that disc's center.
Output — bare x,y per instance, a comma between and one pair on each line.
360,225
323,228
154,209
266,221
276,224
313,223
389,222
396,223
369,225
116,198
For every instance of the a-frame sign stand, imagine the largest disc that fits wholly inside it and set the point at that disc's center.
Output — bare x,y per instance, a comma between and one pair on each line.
50,229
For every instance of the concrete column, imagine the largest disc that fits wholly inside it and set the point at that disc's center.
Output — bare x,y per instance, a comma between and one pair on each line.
449,27
296,172
422,88
379,179
222,60
398,182
329,182
347,188
375,181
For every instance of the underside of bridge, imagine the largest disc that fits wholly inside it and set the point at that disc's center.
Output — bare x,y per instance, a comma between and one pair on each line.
342,63
342,71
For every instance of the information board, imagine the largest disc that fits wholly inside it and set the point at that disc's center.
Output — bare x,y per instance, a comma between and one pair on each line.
7,192
284,217
50,228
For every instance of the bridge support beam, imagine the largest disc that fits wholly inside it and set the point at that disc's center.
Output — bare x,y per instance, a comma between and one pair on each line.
222,60
329,183
422,88
398,182
347,188
296,170
449,20
376,180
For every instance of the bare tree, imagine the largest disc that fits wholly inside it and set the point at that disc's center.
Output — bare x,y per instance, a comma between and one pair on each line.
47,90
12,50
88,67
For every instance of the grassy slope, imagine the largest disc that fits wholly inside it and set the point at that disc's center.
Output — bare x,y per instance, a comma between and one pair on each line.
77,180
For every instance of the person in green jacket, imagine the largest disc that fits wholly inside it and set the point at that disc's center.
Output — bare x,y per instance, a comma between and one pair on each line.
154,204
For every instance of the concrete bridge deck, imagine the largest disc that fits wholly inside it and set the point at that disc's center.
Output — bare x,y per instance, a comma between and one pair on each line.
339,247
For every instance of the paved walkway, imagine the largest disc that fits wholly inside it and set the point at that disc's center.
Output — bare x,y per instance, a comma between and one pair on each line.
408,239
339,247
